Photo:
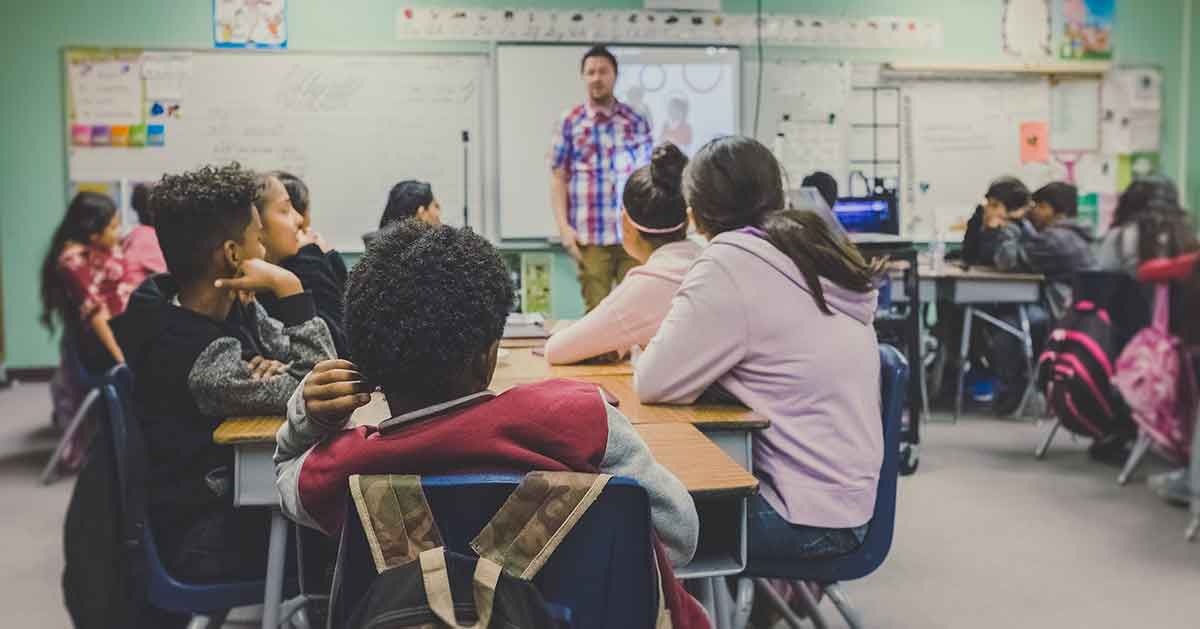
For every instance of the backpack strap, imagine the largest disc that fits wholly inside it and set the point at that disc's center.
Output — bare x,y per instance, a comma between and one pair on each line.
395,517
1162,307
437,588
536,518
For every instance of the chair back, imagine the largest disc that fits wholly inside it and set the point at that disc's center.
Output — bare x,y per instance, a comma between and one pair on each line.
142,558
600,577
893,384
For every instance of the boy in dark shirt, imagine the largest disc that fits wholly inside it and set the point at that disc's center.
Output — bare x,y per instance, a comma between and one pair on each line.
202,350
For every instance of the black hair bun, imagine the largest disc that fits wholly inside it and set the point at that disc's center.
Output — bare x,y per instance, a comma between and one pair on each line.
666,168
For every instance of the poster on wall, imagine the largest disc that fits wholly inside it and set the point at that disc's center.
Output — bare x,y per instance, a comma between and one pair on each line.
250,24
1087,29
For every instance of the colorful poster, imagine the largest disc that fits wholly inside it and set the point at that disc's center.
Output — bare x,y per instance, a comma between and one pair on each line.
1035,142
250,24
1087,29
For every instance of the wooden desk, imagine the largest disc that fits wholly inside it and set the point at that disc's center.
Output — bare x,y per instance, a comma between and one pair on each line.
718,484
680,447
520,366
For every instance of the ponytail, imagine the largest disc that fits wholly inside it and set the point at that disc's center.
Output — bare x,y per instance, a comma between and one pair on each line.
819,252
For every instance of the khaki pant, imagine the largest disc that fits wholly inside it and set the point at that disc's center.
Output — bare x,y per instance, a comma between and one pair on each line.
602,267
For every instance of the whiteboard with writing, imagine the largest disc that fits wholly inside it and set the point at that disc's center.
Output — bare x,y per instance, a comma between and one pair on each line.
959,136
349,125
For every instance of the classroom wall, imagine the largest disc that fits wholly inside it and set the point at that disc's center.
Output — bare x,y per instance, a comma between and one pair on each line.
32,163
1193,165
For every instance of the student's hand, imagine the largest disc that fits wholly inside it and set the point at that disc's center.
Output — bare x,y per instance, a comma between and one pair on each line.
258,276
264,368
1017,215
332,392
312,237
570,242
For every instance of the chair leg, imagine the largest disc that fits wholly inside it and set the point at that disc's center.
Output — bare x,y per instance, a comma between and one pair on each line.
743,604
1194,526
208,621
50,472
1041,451
1135,458
785,610
963,360
842,601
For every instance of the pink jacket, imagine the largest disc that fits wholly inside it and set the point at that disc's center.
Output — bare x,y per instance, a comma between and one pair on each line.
143,257
631,314
744,318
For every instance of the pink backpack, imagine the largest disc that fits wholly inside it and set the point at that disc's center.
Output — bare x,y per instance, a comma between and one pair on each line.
1155,378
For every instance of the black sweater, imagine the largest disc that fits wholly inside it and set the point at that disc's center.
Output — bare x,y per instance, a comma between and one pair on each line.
323,275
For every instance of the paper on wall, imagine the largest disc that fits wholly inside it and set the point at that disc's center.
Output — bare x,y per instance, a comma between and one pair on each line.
1075,115
1096,173
106,92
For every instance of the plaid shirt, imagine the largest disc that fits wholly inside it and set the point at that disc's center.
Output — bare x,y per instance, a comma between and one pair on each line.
599,151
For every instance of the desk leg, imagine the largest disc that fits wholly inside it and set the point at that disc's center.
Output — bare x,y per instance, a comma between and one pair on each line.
1027,346
276,560
964,352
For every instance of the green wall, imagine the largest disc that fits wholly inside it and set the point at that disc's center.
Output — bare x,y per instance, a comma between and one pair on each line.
1193,165
32,164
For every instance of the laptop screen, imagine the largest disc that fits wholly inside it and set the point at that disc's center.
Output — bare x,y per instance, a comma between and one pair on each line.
866,214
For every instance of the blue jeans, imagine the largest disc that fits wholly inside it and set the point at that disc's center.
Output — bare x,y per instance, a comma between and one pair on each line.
772,538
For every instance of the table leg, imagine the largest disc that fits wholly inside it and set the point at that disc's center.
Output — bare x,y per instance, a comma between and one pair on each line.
964,352
722,602
276,560
1027,346
705,596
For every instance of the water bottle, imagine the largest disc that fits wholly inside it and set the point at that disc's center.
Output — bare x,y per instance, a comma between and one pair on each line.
937,254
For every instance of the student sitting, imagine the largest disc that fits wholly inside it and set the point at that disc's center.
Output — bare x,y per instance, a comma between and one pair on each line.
1005,196
777,312
1045,239
202,350
297,191
302,253
825,184
654,221
143,257
425,310
1118,250
408,199
84,284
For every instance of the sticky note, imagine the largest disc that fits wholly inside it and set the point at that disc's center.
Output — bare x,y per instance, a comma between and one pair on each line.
1035,142
81,135
119,135
137,135
101,135
156,135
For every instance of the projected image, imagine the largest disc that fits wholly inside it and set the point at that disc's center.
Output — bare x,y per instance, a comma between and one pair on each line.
688,96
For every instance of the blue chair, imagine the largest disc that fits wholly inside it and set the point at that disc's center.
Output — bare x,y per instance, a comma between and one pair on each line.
209,602
828,572
601,577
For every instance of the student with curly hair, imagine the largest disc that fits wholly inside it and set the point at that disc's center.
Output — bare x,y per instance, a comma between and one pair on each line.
425,310
203,350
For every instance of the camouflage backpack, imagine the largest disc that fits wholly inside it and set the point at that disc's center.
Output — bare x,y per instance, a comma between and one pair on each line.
422,584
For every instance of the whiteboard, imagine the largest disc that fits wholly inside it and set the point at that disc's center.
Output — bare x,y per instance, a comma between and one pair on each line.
350,125
537,84
957,137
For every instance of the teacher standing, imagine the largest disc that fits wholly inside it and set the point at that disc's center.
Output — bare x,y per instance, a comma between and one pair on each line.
597,146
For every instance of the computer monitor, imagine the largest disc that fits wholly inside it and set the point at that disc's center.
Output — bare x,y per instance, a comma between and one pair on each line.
868,215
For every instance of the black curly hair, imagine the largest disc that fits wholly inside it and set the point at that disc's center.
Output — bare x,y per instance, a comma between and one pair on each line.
422,304
195,212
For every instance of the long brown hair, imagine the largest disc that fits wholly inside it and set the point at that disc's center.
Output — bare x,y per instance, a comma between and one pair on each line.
735,182
89,214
